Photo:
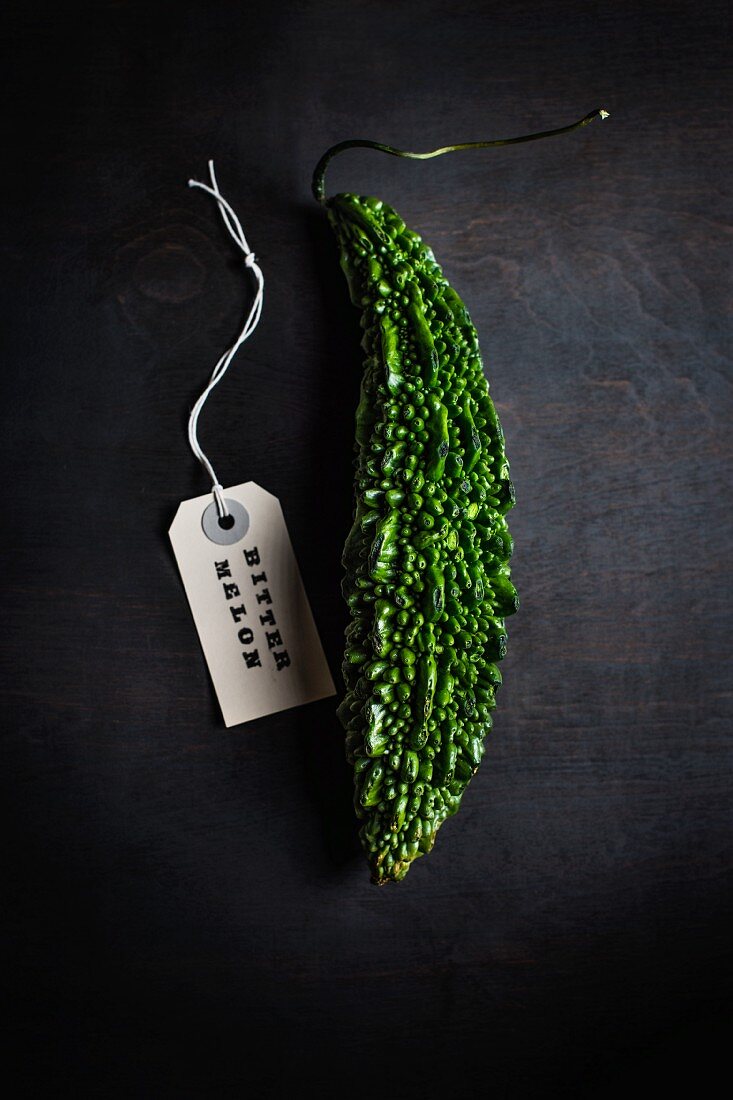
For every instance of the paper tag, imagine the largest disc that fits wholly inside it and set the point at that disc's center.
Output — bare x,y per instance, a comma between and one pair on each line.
249,605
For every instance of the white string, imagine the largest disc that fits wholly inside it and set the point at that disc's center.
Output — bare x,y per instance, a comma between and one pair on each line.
233,225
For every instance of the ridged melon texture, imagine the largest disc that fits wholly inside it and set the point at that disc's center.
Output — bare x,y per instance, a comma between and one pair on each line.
427,577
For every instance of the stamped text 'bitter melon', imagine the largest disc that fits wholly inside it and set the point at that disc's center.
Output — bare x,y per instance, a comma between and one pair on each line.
264,612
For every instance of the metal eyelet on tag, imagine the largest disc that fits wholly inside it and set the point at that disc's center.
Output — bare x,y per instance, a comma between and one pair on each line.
220,532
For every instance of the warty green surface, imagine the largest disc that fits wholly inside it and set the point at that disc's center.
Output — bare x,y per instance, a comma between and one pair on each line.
427,576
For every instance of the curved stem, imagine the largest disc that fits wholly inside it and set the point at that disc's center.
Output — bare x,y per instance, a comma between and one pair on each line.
319,184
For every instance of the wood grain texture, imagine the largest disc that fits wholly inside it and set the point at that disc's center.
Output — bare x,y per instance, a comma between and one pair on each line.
190,913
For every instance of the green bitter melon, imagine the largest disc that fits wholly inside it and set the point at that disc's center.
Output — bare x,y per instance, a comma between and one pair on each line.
427,575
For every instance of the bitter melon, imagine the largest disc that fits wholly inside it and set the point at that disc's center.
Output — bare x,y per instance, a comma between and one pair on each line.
427,577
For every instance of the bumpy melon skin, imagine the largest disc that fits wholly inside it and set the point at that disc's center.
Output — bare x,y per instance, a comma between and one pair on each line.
426,561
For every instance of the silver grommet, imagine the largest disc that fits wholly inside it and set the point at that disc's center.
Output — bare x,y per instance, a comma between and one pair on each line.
225,530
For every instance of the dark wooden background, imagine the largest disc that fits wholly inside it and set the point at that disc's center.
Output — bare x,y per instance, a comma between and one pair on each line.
190,914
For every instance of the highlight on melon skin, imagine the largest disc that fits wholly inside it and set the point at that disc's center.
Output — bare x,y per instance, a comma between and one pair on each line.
427,578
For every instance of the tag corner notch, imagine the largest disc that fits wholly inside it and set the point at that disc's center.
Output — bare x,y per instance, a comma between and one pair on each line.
176,518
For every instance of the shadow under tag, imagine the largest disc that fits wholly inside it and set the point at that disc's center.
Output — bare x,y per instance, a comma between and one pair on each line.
249,605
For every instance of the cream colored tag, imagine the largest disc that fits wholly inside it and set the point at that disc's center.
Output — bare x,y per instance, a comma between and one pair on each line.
249,606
